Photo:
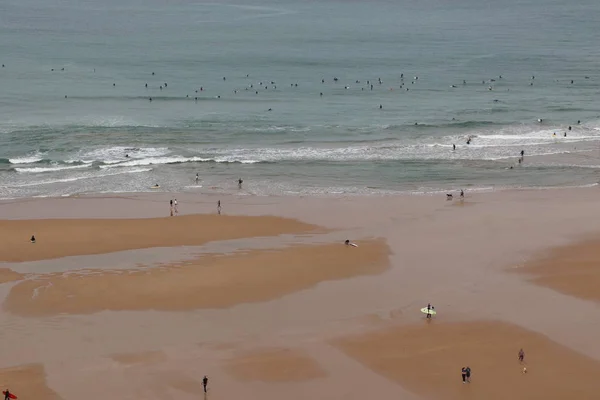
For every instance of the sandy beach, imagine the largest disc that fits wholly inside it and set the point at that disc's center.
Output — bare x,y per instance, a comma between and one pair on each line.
117,299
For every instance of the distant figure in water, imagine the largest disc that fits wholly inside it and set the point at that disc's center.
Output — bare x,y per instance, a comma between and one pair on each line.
240,181
578,122
380,107
32,240
126,155
522,153
540,120
349,243
570,127
462,194
197,178
469,141
219,207
453,147
565,134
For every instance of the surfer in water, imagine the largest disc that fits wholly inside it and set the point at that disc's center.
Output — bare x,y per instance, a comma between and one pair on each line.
240,181
197,178
453,147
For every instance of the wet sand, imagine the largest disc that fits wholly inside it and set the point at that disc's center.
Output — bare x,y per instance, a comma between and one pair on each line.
208,282
573,269
28,381
57,238
303,316
428,358
274,365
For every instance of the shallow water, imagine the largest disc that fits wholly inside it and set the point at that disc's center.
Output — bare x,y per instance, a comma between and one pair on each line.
340,142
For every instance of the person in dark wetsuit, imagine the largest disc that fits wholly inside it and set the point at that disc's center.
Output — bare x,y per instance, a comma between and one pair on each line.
521,355
429,308
240,181
464,374
205,383
468,372
453,147
32,240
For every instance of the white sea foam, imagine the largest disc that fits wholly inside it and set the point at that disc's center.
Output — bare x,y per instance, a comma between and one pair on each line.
27,159
35,170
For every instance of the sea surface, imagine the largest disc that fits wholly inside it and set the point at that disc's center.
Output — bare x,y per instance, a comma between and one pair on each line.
279,94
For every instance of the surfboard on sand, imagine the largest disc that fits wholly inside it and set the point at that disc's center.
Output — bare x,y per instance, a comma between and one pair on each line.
12,396
424,311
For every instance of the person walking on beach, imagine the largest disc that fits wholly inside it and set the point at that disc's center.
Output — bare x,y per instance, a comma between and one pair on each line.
205,382
219,207
464,374
468,372
171,207
521,356
175,207
197,179
429,308
32,240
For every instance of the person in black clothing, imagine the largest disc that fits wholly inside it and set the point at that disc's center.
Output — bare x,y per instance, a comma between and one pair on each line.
6,394
468,372
32,239
205,382
464,374
521,355
240,181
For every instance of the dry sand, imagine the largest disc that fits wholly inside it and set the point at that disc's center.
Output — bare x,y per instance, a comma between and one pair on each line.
572,269
427,359
68,237
27,382
210,282
275,366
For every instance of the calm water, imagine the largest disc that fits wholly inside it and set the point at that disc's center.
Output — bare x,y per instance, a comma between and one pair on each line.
69,131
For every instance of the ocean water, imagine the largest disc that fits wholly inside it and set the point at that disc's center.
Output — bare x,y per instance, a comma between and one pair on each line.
75,114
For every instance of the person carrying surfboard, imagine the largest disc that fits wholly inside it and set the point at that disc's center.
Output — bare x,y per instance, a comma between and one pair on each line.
8,395
429,308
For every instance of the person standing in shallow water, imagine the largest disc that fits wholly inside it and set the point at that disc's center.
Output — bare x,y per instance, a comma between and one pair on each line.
240,181
219,207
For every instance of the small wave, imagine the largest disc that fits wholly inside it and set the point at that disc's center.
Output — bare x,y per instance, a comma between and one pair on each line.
177,160
35,170
27,159
81,177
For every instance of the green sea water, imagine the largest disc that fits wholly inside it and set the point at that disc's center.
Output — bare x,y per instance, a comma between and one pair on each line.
329,97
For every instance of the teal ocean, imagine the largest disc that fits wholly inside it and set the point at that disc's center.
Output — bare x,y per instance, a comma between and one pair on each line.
297,97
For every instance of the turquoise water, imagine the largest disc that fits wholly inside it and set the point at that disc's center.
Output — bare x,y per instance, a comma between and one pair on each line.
70,131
